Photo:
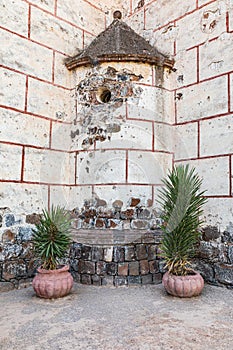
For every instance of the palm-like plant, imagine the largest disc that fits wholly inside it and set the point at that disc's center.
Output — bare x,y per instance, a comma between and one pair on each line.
182,203
51,238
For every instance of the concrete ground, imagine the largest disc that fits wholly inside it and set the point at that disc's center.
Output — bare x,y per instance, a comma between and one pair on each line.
123,318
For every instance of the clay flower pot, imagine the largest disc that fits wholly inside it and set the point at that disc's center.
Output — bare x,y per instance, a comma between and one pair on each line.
53,283
183,286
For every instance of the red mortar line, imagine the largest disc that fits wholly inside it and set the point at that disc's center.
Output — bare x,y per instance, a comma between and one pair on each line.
123,150
127,166
153,136
49,197
22,165
198,65
204,80
208,3
130,8
92,5
198,140
34,115
230,177
26,94
144,18
55,7
203,119
50,134
149,121
53,68
196,4
29,21
229,92
75,169
121,184
227,21
34,147
204,157
217,196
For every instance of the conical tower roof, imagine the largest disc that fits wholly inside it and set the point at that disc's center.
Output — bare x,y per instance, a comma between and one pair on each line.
118,43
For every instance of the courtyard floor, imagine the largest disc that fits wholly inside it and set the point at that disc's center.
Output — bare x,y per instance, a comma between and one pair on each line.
123,318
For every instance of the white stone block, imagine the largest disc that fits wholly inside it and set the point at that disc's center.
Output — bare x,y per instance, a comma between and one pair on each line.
124,193
136,22
161,12
25,56
44,4
154,104
163,137
214,173
203,100
133,135
24,129
63,76
48,100
14,16
82,14
147,167
200,26
61,136
101,167
11,162
70,197
186,141
215,56
55,33
48,166
216,136
186,68
219,212
12,82
163,39
23,198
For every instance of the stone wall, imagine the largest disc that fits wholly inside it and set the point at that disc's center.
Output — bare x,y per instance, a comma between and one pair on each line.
38,164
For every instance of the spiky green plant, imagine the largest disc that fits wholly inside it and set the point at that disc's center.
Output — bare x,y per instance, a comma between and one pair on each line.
51,238
182,202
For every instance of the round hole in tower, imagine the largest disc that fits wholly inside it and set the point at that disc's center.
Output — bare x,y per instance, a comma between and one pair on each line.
103,95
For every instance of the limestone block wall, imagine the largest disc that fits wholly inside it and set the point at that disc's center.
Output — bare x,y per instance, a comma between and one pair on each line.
199,35
36,102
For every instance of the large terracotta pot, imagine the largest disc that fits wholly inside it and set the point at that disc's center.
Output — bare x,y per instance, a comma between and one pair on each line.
183,286
53,283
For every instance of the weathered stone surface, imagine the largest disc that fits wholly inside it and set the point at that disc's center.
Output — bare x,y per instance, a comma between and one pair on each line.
144,267
224,274
13,268
86,267
108,254
147,279
119,254
96,280
134,268
134,280
206,270
130,253
111,268
101,267
230,253
24,234
97,253
86,279
154,266
141,252
152,252
8,96
123,269
139,224
86,252
157,278
33,219
8,236
120,281
144,213
210,233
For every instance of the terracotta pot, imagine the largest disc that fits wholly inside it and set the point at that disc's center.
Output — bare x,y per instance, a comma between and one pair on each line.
53,283
183,286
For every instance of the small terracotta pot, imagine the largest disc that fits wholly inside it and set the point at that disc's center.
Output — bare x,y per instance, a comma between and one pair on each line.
53,283
183,286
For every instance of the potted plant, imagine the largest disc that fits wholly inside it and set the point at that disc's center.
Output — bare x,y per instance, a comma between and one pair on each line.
51,240
182,202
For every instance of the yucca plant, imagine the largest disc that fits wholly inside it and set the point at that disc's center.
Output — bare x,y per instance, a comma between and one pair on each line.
182,202
51,238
